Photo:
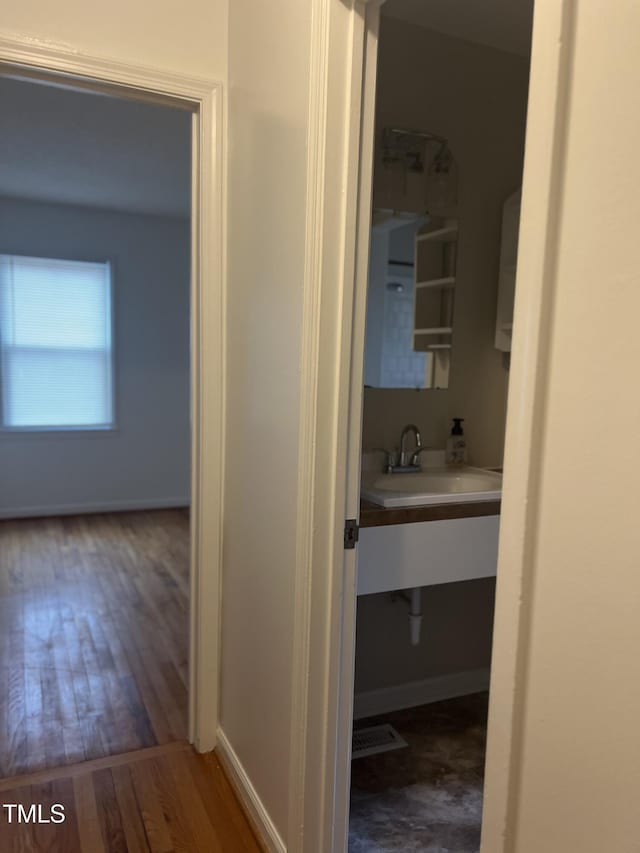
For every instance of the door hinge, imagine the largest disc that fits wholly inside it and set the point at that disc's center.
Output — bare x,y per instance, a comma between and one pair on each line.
351,533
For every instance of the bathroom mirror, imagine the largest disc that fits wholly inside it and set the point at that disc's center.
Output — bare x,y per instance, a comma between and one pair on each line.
410,301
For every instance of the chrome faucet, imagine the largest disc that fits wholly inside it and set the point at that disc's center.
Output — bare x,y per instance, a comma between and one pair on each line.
406,461
407,458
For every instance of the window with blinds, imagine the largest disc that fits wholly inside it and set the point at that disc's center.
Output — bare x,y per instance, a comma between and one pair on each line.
55,344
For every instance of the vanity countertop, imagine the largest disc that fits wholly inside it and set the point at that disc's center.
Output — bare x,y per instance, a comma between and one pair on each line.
372,515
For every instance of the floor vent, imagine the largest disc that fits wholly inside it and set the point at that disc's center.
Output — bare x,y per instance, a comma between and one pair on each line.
374,739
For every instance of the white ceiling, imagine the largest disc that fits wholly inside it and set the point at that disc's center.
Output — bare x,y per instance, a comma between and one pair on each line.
503,24
81,148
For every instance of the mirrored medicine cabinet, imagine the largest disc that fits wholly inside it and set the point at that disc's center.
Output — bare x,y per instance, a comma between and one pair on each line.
412,265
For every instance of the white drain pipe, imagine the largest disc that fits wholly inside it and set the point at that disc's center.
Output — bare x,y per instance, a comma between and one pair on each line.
415,614
413,597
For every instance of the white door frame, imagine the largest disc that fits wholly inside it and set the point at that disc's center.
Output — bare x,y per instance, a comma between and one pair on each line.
549,85
60,66
326,595
343,62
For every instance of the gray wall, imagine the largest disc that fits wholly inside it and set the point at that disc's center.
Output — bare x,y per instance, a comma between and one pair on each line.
145,461
455,636
476,97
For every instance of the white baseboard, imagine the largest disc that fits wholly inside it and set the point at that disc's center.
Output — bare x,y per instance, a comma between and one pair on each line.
249,795
370,703
98,506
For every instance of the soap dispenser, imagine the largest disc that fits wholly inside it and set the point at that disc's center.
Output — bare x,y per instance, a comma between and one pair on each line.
456,444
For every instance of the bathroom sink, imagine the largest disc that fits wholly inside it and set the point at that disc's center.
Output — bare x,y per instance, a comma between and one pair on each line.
432,486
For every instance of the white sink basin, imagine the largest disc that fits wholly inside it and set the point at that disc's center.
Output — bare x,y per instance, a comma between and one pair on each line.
432,486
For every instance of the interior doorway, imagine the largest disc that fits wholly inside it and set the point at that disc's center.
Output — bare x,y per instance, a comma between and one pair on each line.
95,445
107,570
451,106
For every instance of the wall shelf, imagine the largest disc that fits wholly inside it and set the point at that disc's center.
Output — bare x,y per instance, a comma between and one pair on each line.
449,281
438,330
440,235
433,296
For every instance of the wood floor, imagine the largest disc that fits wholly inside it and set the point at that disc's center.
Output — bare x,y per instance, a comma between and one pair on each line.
93,638
163,800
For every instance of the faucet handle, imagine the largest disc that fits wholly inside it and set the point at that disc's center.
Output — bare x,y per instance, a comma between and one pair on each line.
389,458
415,456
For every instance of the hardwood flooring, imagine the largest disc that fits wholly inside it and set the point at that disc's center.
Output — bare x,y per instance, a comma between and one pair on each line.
93,640
162,800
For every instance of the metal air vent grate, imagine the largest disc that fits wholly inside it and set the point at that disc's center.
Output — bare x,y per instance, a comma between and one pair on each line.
374,739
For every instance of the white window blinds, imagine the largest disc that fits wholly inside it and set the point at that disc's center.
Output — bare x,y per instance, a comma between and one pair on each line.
55,343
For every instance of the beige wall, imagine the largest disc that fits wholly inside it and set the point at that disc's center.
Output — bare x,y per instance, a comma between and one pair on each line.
189,37
577,750
267,170
476,97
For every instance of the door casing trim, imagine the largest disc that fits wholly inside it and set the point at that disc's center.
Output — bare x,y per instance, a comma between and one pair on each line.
27,58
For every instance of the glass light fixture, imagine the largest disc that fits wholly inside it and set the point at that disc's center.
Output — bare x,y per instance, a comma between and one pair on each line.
410,155
442,182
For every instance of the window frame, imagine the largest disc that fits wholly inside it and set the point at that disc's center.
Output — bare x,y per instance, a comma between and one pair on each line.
69,430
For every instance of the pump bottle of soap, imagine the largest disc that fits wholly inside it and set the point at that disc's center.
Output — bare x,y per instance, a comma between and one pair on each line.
456,444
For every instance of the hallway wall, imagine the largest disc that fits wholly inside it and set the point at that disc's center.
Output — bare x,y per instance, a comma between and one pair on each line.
191,38
572,754
268,113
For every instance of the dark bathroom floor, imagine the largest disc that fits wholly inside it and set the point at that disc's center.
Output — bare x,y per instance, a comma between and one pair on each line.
426,797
